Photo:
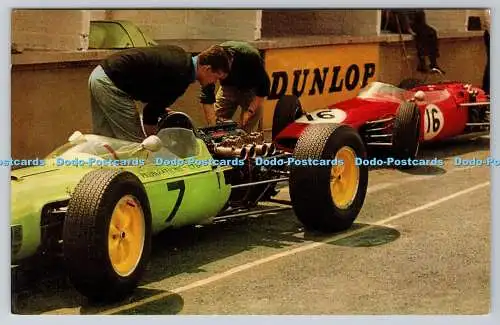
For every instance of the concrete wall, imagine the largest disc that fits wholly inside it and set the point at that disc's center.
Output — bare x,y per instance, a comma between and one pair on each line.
61,29
48,103
462,60
49,29
194,24
281,23
447,19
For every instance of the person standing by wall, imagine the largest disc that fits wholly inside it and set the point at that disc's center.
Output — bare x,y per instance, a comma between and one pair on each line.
413,21
247,85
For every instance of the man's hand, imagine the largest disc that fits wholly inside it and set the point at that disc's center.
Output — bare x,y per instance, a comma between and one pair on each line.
210,116
253,109
245,118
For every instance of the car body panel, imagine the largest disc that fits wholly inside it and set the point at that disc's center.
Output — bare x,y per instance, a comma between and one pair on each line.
117,34
440,111
179,194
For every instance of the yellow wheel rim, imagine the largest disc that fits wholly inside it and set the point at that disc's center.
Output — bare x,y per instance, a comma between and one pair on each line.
344,178
126,235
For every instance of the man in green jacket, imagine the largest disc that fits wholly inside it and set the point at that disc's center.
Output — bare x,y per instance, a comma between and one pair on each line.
156,76
247,85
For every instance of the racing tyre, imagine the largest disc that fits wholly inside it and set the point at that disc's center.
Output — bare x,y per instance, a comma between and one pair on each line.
287,110
107,235
410,83
406,132
328,198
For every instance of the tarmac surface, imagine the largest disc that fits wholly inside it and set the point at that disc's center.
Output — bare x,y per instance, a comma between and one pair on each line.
421,245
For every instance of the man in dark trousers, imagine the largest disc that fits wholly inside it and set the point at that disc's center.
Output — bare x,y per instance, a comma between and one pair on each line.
413,21
486,75
247,85
156,76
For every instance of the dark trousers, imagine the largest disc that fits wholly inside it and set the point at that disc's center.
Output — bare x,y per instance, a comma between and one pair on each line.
486,74
427,44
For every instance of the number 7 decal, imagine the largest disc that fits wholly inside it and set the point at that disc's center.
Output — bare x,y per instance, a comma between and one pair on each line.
173,186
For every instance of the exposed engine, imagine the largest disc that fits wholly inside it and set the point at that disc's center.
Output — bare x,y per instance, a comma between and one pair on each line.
227,141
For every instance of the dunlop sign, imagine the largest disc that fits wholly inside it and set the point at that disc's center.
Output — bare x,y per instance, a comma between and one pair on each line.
319,75
333,79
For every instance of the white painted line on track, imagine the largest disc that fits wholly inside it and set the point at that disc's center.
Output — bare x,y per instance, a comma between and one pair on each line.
247,266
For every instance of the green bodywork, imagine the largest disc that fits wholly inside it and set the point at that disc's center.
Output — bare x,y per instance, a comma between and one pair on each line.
117,34
182,194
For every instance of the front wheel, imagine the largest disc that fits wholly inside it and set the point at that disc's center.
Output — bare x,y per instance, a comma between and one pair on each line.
328,197
107,234
406,132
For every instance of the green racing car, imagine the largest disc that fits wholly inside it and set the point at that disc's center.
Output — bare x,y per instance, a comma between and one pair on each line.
97,201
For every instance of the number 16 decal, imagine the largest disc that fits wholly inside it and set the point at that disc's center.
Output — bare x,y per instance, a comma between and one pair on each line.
174,186
433,121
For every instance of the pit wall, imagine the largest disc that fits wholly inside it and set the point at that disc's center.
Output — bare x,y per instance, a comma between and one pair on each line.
50,97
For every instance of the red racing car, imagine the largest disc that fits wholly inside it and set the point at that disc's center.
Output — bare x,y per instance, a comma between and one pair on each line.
393,117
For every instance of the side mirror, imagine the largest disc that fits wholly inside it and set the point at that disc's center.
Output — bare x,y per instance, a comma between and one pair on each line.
152,143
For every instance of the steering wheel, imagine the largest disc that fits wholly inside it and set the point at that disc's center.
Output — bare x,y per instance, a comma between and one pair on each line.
176,120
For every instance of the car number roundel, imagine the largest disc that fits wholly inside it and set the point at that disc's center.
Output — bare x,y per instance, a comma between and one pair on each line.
324,116
433,121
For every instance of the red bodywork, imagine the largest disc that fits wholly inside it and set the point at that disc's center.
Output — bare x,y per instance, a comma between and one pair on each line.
440,111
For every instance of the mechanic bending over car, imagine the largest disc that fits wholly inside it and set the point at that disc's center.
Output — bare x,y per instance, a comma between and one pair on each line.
247,85
155,76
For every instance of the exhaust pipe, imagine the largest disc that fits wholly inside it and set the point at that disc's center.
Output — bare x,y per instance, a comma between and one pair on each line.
271,149
231,152
262,150
252,150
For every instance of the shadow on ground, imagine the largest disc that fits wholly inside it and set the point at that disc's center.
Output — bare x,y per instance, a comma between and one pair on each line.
168,304
363,235
185,250
44,287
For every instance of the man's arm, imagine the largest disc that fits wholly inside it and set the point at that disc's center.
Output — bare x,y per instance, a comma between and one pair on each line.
209,111
253,108
207,100
261,92
151,113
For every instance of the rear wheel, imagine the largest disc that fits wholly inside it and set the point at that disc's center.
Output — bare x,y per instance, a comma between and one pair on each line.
328,198
107,234
287,110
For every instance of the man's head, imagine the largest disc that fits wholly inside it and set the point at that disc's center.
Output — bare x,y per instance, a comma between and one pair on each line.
213,64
